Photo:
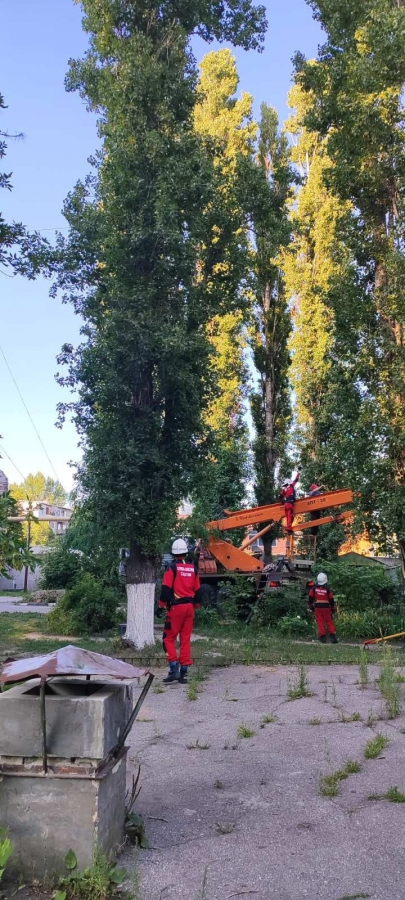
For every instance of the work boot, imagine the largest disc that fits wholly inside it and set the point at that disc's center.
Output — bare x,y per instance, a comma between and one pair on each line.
173,674
183,675
334,639
323,638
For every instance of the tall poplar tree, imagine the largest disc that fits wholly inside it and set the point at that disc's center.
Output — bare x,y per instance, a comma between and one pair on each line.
225,122
357,86
142,267
265,181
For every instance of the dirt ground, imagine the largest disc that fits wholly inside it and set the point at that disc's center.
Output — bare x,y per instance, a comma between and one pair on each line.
230,816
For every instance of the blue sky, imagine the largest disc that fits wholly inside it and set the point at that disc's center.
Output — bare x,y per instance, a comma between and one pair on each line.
37,39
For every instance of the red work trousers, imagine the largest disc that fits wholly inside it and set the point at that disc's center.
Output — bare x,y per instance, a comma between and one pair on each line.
323,616
289,514
179,621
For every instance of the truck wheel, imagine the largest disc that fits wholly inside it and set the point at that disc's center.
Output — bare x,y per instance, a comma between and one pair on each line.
209,596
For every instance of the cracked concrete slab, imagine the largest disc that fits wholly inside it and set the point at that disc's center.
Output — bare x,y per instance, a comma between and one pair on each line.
244,817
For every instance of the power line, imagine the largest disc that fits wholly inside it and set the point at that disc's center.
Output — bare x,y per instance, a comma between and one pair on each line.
30,417
12,463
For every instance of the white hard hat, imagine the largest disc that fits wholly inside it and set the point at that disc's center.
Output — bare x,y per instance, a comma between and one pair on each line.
179,547
322,578
286,483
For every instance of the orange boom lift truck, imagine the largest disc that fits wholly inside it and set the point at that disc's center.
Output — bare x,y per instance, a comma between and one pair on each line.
221,560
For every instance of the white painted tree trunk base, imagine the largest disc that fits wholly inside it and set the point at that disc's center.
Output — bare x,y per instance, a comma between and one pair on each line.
140,614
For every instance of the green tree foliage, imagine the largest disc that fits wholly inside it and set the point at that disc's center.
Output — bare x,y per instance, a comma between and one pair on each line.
226,125
141,266
61,566
23,253
36,488
265,183
357,90
14,553
322,286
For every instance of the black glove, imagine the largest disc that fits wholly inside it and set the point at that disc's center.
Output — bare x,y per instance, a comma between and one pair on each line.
159,612
299,468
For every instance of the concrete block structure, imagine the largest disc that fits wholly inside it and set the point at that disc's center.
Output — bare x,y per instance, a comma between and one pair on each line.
80,801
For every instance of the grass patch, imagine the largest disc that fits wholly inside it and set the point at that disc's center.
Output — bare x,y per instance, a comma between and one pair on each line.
244,731
363,669
157,688
269,719
394,795
329,784
192,690
354,717
300,687
198,746
315,722
374,747
389,685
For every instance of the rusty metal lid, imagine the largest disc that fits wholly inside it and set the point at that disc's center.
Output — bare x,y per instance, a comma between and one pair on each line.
68,660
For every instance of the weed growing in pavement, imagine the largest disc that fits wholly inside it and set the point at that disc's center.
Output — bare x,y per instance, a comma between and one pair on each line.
228,746
200,675
202,894
224,827
389,685
372,718
325,693
334,694
394,795
218,785
244,731
355,897
374,747
329,784
352,767
157,688
315,722
300,687
98,882
354,717
192,690
268,720
198,746
363,669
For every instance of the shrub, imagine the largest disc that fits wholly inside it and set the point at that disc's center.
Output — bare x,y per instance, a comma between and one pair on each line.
286,602
61,567
294,625
87,608
360,588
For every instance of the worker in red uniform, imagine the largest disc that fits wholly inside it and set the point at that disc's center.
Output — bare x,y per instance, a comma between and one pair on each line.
322,602
179,596
287,496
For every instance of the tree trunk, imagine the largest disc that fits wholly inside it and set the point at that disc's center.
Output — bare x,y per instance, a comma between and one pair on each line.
141,583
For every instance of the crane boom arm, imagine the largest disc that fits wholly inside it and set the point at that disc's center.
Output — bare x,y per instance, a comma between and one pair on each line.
274,512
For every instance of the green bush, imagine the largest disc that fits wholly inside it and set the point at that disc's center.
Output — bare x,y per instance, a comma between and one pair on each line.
295,626
88,607
361,588
288,601
61,567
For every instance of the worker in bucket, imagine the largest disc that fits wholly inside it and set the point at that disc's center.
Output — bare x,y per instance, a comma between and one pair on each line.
321,602
287,496
179,596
